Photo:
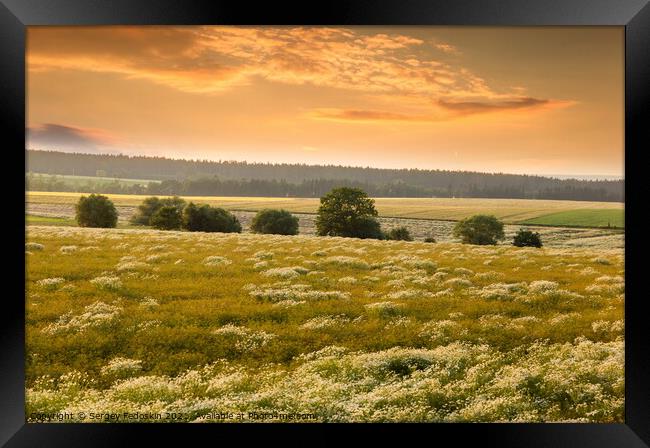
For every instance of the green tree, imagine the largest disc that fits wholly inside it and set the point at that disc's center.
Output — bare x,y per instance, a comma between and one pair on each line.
209,219
279,222
366,227
167,218
527,238
151,205
347,212
400,234
479,229
96,211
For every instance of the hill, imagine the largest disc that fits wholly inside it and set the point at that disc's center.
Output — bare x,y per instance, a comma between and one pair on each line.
232,178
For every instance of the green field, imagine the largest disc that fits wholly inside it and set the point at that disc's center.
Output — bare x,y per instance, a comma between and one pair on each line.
49,221
582,218
508,210
184,325
84,180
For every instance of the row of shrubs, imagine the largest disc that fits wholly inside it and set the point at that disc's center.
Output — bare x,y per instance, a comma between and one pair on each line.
345,211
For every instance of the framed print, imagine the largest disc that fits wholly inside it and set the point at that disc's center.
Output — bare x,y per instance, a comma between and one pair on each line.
386,217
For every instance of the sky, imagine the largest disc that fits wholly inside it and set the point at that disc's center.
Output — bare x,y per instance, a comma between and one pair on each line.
530,100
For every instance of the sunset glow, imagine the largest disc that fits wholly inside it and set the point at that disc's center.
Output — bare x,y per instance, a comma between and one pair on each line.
544,100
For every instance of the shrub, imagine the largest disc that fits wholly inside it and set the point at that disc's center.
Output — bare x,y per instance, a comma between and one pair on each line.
479,229
365,227
151,205
96,211
279,222
347,212
400,234
429,239
167,218
526,238
209,219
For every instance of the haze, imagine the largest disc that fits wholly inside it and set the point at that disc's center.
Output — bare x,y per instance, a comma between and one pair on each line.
544,100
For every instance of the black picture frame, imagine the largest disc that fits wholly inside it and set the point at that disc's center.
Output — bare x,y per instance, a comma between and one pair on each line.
634,15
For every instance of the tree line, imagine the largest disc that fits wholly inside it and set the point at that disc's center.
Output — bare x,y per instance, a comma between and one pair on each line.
228,178
343,212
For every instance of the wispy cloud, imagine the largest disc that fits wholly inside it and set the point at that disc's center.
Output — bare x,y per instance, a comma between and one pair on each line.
368,115
447,48
476,107
211,60
58,136
442,111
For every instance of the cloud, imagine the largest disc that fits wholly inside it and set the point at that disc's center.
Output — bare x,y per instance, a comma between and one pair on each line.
477,107
380,67
445,110
211,59
58,136
367,115
447,48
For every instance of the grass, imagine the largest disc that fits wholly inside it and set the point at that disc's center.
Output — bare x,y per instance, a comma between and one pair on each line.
99,180
508,210
49,221
35,220
582,218
178,323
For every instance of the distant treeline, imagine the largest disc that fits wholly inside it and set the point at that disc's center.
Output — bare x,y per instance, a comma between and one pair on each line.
227,178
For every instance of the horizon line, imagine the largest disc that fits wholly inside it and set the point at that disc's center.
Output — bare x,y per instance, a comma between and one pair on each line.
558,176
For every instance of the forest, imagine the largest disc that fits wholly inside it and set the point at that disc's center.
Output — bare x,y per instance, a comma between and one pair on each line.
232,178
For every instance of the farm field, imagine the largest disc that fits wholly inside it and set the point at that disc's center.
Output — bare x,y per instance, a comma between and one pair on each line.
160,326
84,180
49,221
582,218
442,231
34,220
508,210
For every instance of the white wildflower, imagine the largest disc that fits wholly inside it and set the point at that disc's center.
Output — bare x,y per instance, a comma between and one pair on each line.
107,282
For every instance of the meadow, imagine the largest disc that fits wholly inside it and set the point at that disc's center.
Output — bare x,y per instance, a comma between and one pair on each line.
175,326
513,211
582,218
85,180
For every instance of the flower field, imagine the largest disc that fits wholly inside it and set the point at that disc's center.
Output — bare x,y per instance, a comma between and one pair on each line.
140,325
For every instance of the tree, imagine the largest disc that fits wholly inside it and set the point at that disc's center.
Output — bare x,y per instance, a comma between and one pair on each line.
279,222
366,227
209,219
527,238
151,205
96,211
400,234
167,218
348,212
479,229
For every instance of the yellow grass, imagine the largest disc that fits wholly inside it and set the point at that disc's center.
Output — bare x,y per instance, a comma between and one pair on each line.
177,326
508,210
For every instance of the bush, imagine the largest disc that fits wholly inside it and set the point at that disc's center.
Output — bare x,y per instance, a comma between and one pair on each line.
526,238
479,229
151,205
400,234
209,219
429,239
365,227
96,211
347,212
279,222
167,218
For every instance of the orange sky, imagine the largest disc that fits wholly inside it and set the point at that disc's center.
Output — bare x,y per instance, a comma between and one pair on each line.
545,100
